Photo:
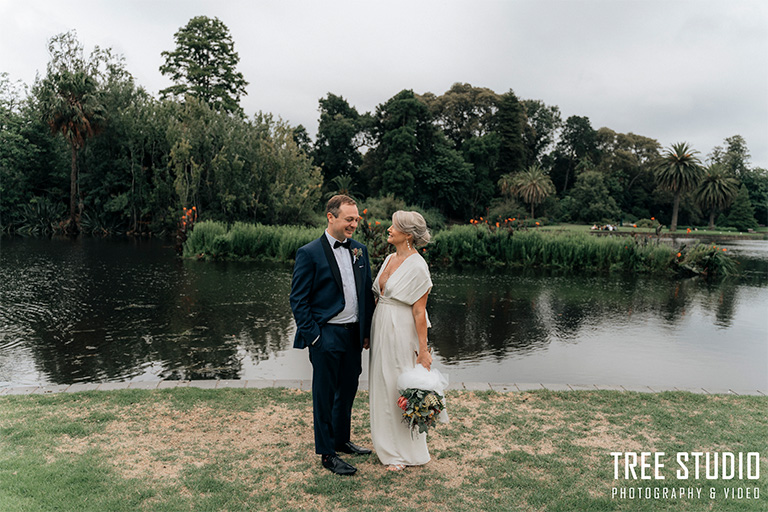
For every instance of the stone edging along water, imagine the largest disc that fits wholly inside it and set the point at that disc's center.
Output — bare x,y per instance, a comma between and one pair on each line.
306,385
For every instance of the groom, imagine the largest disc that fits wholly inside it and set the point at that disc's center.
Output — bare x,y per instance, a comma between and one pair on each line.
332,303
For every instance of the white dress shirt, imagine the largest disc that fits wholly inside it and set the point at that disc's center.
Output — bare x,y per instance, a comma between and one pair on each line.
344,259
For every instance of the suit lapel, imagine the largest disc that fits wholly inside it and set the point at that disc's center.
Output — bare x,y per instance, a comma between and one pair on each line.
355,269
331,261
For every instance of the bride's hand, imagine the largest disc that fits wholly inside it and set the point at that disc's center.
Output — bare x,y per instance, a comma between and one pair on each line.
424,359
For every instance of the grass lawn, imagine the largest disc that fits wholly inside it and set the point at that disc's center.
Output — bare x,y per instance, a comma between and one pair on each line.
243,450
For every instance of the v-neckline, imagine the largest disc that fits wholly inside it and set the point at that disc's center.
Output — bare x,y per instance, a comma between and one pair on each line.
386,264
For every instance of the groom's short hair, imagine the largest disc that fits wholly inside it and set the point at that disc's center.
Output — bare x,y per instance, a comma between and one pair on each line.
334,204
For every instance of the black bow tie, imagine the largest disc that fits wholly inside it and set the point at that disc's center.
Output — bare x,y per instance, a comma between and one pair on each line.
344,244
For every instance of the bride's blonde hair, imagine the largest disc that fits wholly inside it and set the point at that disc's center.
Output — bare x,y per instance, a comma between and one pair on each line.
412,223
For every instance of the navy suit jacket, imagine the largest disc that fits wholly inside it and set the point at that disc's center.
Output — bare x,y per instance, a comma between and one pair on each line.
317,294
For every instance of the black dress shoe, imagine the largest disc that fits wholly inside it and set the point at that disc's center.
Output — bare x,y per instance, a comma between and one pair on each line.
338,466
354,449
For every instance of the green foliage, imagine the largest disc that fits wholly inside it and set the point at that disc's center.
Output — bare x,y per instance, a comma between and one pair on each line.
203,65
511,244
591,199
532,186
646,223
146,159
542,123
505,208
706,260
463,112
716,191
578,142
336,149
756,181
40,217
70,102
213,240
509,123
420,408
678,172
382,208
489,247
742,214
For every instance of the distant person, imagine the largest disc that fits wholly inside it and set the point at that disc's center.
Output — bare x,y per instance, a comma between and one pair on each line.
332,303
399,340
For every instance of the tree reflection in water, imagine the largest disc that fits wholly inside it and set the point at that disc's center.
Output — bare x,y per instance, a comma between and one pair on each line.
94,310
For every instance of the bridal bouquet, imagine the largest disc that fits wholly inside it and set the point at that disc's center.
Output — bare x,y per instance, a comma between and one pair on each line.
421,398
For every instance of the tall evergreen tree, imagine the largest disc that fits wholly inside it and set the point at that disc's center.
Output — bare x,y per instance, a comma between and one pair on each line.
509,123
742,214
203,65
337,147
578,142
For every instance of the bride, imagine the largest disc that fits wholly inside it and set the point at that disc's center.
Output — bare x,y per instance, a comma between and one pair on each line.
399,340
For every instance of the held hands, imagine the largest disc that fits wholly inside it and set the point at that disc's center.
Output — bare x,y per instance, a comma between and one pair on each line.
424,358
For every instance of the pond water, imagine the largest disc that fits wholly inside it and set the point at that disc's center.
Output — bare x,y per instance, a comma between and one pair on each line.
105,310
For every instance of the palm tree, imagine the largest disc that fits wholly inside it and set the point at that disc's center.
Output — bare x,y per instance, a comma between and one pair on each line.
341,184
717,191
70,106
532,185
679,172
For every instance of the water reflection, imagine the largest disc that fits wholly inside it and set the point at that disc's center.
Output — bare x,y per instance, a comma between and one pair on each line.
100,310
477,316
108,310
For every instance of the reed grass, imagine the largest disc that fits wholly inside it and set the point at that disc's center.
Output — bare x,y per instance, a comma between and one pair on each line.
479,246
241,241
472,246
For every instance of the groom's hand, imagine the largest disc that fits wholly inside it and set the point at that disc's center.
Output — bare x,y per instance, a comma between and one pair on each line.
366,343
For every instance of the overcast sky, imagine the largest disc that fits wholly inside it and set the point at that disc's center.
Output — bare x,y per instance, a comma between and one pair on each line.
677,71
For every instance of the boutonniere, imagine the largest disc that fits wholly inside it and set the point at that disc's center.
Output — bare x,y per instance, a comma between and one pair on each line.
355,254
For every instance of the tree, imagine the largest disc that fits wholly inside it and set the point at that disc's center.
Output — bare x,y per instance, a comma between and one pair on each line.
735,158
532,186
70,103
509,123
716,191
742,214
302,139
463,112
627,161
483,154
590,200
445,181
542,124
578,142
405,135
756,181
203,65
679,171
337,147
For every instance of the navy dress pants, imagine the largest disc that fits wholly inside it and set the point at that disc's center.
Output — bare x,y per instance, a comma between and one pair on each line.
336,367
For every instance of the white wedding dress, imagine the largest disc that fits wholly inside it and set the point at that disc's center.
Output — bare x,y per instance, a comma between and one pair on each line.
394,344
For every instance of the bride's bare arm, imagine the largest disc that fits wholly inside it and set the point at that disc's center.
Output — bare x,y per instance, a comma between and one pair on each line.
419,309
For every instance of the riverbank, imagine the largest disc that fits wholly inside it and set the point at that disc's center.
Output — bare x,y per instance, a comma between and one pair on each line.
251,449
473,246
306,385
